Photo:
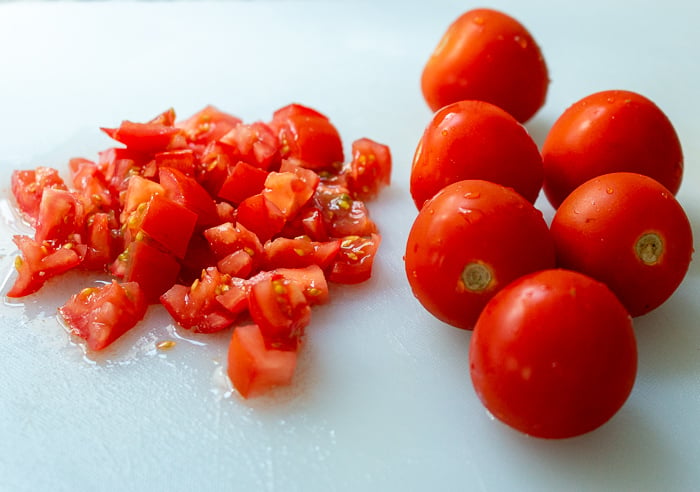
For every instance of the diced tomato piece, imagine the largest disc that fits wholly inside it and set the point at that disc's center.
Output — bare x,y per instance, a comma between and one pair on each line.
288,191
307,222
144,137
196,307
235,296
38,263
118,164
227,238
168,223
341,214
182,159
207,125
102,240
312,281
370,168
138,192
255,369
166,118
100,315
279,307
186,191
237,264
198,257
307,135
254,143
89,181
28,187
300,252
244,180
60,216
154,270
261,216
355,259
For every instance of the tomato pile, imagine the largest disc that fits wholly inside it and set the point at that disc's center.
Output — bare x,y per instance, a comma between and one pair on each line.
553,351
225,223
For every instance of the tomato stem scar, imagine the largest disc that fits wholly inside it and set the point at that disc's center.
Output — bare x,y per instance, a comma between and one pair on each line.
649,248
476,277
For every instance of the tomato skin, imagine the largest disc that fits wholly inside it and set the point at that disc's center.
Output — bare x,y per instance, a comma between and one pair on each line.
475,140
469,241
553,354
308,136
610,131
489,56
100,315
369,170
598,228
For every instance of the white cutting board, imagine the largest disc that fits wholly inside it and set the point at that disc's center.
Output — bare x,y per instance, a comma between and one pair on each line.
382,399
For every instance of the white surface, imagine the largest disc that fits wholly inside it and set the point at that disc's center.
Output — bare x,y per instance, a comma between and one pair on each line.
382,400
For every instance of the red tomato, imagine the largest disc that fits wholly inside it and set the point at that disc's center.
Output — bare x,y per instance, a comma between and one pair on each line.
208,125
243,180
553,354
152,268
629,231
196,307
255,369
469,241
255,144
354,260
369,170
38,263
100,315
61,216
157,222
186,191
279,307
475,140
144,137
610,131
488,56
308,136
28,187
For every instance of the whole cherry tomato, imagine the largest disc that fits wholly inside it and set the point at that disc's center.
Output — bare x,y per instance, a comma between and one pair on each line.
489,56
475,140
469,241
629,231
553,354
607,132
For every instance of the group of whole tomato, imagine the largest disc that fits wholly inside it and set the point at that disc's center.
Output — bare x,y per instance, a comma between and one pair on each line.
553,351
225,223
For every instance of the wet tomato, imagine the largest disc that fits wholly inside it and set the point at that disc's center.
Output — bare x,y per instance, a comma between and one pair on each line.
222,222
610,131
553,354
628,231
475,140
489,56
469,241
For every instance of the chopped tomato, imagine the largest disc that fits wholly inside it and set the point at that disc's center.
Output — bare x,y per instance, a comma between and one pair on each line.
207,125
155,270
307,135
196,307
28,187
227,238
369,170
186,191
300,252
261,216
254,368
243,180
100,315
102,241
144,137
355,259
60,216
280,308
341,214
254,143
158,220
38,263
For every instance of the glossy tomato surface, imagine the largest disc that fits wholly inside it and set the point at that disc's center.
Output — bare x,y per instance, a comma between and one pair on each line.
610,131
470,240
629,231
553,354
490,56
475,140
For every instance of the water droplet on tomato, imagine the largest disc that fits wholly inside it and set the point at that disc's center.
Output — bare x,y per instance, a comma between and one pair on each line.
609,190
522,42
610,99
472,195
479,21
444,132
